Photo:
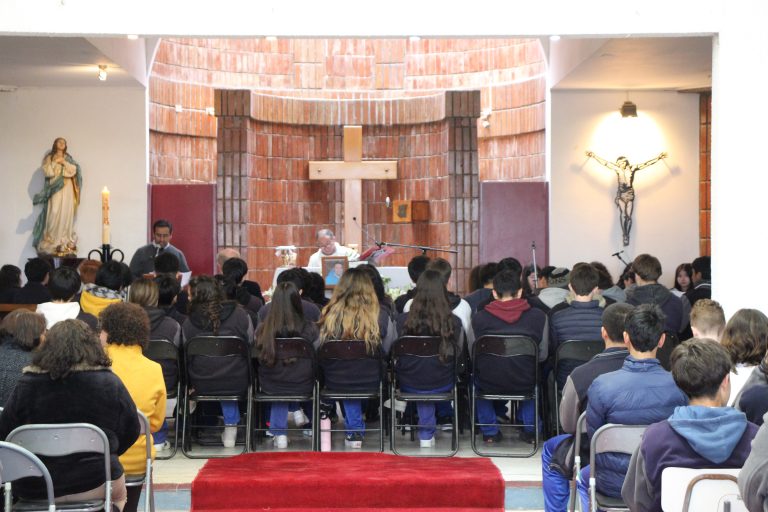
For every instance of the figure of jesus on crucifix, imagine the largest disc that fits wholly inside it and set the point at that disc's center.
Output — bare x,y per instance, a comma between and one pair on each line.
625,193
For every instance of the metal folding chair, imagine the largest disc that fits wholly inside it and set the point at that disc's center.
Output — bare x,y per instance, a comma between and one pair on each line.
146,478
302,387
200,387
581,429
569,355
611,438
349,372
687,489
407,350
504,368
17,462
165,353
58,440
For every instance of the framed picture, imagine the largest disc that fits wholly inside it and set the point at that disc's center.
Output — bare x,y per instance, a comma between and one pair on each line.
332,269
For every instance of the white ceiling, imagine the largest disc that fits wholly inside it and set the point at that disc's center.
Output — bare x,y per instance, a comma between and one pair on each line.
669,63
55,61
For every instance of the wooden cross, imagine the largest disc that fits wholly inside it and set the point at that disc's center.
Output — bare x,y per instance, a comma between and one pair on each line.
353,170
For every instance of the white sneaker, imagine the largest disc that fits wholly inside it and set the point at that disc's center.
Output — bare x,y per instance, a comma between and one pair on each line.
161,447
281,442
299,418
427,443
229,436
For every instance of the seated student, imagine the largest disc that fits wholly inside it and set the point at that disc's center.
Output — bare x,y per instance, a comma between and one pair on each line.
385,302
430,314
87,270
315,290
168,289
20,334
235,270
299,277
753,477
640,393
145,293
106,290
284,320
64,284
252,286
210,314
416,266
70,381
753,399
125,331
580,316
557,455
510,314
746,340
557,288
483,294
354,314
707,319
531,280
606,287
35,291
701,287
647,270
703,435
474,282
10,282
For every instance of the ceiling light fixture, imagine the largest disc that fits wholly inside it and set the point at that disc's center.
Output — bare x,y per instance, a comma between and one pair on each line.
554,38
102,72
133,37
628,109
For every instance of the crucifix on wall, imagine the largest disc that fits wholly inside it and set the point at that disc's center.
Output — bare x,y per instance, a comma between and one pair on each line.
353,170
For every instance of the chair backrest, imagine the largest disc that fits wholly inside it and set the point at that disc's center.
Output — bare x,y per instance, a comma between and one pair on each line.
166,354
688,489
581,430
7,308
218,365
347,366
416,362
59,439
145,431
506,364
17,462
614,438
294,370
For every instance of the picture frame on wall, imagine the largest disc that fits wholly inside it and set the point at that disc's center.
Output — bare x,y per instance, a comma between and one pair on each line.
332,269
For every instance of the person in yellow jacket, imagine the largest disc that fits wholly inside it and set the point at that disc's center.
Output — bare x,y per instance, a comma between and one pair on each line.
106,290
125,331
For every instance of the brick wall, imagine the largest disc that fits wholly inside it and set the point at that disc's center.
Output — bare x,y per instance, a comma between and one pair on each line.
705,168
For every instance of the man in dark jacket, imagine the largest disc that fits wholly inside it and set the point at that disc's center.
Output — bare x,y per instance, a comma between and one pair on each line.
640,393
477,297
702,280
647,270
557,454
579,317
705,434
35,291
509,314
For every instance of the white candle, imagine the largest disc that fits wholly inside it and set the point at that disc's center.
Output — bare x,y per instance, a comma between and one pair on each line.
105,216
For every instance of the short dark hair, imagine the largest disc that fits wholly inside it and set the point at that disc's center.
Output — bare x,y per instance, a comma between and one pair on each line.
10,276
125,272
645,325
110,275
64,283
125,324
293,275
162,223
443,267
699,366
167,263
703,264
506,283
235,269
614,319
647,267
583,278
512,264
605,280
168,288
36,269
488,272
416,266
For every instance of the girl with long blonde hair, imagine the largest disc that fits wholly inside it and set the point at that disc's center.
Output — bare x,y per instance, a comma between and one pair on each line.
353,313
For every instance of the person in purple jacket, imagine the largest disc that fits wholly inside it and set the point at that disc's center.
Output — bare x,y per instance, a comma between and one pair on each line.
702,435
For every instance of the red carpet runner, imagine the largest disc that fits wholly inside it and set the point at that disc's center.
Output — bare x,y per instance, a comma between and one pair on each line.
299,481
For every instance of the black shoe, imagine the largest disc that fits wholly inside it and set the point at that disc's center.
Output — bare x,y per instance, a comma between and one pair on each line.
446,423
493,439
527,437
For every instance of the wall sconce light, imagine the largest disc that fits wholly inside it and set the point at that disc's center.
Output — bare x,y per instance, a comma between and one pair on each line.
102,72
628,109
485,118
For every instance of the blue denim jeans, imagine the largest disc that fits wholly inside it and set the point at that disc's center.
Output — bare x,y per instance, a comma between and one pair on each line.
353,416
555,485
231,413
426,411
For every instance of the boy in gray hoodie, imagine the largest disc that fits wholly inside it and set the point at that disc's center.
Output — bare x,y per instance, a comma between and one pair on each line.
704,434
